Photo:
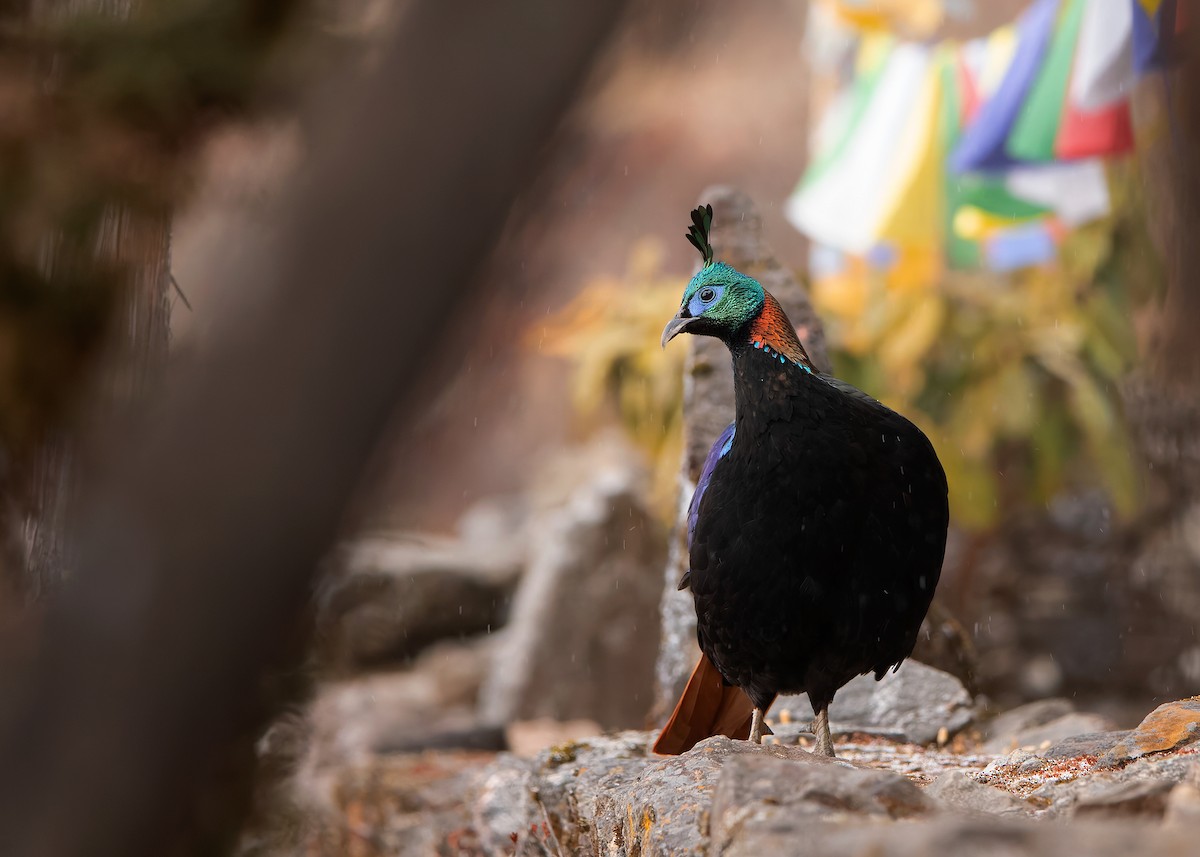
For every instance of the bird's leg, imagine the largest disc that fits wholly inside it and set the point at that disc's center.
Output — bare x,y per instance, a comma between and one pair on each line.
820,728
756,726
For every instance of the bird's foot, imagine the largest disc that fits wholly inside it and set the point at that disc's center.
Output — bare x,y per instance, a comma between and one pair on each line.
820,728
756,726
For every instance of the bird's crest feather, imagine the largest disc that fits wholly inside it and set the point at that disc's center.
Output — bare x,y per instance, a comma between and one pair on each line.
698,232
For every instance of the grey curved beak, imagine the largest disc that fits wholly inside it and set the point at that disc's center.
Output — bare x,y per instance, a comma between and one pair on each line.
674,327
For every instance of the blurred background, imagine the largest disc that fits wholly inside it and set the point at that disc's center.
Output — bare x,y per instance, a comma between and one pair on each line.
257,279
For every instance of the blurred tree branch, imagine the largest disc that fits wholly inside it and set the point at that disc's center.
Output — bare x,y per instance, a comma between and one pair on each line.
102,112
1179,351
200,535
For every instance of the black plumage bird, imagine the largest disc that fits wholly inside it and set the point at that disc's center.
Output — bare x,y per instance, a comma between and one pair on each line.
817,529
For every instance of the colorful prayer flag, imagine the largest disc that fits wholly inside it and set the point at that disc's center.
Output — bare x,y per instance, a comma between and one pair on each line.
1103,74
843,206
982,146
983,152
1036,126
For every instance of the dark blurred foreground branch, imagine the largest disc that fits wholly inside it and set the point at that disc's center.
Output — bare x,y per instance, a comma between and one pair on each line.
201,535
104,104
1179,351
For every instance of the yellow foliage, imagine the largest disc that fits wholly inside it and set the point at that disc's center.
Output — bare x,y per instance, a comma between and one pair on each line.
844,296
909,338
611,332
916,270
1010,375
972,484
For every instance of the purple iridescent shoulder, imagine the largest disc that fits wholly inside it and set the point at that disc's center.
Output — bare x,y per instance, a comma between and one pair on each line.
724,442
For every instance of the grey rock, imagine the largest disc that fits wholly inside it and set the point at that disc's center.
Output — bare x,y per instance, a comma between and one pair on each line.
1025,717
397,596
1087,516
666,809
912,704
586,612
1085,744
1044,785
576,797
960,790
1169,726
1139,788
708,408
1018,761
395,805
1031,764
1183,806
1175,767
430,705
1128,797
504,807
942,642
1050,734
496,526
1062,597
946,835
607,796
498,564
468,734
763,790
459,668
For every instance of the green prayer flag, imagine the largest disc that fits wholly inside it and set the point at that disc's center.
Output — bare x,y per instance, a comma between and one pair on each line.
1036,128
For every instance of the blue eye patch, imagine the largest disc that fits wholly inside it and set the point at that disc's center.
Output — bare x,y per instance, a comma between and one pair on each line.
705,298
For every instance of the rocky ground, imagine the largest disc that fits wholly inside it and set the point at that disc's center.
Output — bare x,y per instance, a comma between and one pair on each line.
1027,783
476,699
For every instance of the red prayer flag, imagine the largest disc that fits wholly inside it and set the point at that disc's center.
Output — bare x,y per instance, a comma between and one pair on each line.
1089,134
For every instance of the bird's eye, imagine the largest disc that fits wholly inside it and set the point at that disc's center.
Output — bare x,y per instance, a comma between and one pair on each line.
707,294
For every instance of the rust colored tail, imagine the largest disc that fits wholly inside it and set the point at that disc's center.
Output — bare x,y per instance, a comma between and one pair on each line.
707,707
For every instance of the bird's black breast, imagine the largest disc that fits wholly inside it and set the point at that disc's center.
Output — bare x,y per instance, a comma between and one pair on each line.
819,540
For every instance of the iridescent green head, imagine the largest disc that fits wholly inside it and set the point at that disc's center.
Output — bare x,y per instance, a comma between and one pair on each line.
720,300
